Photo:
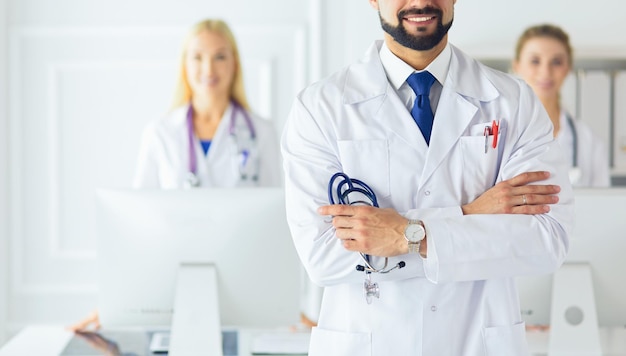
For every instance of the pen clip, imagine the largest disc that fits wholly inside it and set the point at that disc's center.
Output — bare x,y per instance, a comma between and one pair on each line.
486,133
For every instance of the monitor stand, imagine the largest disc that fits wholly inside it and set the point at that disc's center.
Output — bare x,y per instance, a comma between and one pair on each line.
196,327
573,320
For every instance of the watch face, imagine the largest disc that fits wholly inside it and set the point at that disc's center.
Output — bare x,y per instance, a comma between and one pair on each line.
414,232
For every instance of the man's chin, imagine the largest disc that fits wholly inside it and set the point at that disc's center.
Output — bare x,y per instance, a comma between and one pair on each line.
419,30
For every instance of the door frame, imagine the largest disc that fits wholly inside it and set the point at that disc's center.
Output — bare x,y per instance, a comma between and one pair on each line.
4,165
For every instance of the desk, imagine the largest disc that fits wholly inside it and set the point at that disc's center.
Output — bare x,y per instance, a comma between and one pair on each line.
613,342
51,340
43,340
37,340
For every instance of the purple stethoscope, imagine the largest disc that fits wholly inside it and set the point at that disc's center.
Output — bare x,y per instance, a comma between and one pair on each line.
245,152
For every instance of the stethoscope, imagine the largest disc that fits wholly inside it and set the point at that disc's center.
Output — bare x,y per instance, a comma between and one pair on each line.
244,152
574,173
363,195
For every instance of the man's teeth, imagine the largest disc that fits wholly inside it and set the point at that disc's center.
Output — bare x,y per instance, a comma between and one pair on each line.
419,19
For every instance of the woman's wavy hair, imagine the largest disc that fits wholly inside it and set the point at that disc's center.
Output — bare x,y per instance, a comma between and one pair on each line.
544,30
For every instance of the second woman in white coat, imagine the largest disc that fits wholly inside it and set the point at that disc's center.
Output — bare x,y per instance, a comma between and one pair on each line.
543,58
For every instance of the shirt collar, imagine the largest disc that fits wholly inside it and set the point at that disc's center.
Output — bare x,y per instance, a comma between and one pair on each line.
398,71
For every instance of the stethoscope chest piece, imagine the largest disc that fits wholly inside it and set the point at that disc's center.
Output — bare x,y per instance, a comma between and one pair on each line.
370,289
575,174
192,180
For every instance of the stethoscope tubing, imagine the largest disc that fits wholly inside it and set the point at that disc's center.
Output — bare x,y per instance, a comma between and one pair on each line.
353,186
572,126
193,159
349,186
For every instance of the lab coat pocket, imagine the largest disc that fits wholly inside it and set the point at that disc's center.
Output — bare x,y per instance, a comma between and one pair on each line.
368,161
506,340
480,164
337,343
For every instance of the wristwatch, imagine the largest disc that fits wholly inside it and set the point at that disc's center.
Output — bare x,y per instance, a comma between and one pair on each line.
414,234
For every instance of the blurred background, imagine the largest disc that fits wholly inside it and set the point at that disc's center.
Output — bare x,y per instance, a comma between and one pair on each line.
79,79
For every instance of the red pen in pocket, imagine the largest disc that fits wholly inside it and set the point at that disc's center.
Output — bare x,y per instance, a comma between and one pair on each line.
495,127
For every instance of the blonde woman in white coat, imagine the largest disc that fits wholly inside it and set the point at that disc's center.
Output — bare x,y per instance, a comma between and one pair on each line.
543,58
210,138
210,109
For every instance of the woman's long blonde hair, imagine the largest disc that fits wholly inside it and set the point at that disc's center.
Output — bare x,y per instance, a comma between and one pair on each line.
183,93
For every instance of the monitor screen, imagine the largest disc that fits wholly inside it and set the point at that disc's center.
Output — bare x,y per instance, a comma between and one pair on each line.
599,241
145,235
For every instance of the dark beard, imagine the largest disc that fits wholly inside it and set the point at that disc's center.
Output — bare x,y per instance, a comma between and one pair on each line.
417,42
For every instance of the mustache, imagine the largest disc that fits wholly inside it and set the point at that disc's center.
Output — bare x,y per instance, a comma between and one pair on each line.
428,10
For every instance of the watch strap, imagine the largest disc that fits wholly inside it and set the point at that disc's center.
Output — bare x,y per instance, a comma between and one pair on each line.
414,247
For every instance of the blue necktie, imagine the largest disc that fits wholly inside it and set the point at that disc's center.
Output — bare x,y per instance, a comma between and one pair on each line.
421,111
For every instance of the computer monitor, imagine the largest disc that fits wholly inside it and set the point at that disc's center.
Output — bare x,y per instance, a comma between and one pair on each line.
595,269
144,236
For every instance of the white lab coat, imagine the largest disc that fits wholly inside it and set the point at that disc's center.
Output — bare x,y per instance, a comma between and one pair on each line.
164,153
593,160
462,300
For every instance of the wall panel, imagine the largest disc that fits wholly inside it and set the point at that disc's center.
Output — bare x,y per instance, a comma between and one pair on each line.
595,103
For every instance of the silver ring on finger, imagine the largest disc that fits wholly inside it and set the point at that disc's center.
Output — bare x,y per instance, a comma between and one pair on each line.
524,201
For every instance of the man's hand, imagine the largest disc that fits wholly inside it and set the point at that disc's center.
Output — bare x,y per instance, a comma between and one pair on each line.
370,230
516,196
380,232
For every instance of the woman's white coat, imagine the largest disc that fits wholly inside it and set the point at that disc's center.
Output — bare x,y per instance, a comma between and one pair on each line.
164,153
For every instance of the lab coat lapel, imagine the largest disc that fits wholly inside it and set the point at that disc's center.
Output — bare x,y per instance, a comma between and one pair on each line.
368,88
454,113
465,85
399,120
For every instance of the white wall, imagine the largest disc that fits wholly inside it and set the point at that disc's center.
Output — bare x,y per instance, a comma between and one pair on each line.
492,27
